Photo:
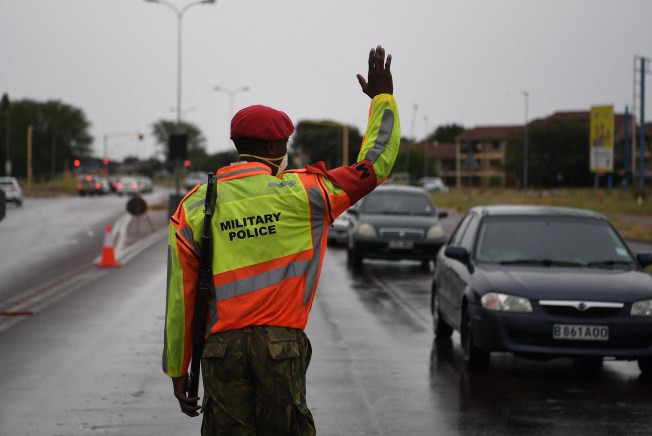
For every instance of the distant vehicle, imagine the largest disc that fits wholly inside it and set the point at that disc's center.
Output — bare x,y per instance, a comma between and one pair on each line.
12,190
144,184
92,185
543,282
399,178
395,222
113,181
194,178
105,185
338,232
433,184
127,186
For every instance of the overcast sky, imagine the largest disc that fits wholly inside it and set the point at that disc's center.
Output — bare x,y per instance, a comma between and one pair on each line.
455,61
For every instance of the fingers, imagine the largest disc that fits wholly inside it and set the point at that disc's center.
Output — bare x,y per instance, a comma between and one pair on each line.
379,58
189,405
388,63
372,59
362,81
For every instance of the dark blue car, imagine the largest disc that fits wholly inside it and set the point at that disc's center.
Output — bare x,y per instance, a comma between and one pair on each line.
543,282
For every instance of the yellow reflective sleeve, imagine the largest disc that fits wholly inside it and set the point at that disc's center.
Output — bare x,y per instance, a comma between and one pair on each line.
174,346
383,135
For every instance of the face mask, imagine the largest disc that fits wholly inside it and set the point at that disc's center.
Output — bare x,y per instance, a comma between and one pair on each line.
280,167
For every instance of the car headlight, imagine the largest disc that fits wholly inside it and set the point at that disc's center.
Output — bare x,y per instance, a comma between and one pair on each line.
435,232
505,303
366,229
642,308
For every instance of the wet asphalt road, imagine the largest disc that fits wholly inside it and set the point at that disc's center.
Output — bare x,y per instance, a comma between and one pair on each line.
88,363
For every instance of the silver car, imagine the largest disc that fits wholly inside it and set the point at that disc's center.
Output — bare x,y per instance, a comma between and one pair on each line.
12,190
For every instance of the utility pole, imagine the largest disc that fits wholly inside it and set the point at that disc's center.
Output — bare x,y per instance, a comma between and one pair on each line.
525,140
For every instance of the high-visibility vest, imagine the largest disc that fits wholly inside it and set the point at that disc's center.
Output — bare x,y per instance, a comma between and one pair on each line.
269,238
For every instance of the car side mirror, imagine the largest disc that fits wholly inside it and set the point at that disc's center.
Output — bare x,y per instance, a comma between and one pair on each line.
442,214
457,253
645,259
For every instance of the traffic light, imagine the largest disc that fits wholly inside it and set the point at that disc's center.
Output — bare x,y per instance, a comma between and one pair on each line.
178,146
76,163
105,161
186,163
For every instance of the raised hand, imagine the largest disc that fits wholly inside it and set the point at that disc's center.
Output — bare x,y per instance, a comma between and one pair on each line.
379,78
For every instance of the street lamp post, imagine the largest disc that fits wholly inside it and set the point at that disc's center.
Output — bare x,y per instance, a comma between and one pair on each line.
231,93
525,140
176,198
179,13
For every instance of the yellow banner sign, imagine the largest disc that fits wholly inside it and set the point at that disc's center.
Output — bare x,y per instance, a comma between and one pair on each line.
602,139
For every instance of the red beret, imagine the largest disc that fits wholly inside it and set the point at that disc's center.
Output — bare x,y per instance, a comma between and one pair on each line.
261,122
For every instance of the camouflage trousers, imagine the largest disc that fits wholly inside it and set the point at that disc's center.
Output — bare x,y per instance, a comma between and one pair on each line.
255,382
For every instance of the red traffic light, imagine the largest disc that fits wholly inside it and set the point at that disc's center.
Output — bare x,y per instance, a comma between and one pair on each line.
105,161
76,163
186,163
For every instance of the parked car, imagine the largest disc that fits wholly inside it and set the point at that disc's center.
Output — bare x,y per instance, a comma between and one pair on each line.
127,186
194,178
435,184
338,232
395,222
543,282
89,184
12,190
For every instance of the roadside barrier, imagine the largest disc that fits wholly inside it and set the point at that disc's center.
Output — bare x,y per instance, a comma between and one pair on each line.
108,254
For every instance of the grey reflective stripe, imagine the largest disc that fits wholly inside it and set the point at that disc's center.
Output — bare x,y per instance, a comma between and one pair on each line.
309,268
260,281
317,209
238,172
282,184
384,133
197,204
190,237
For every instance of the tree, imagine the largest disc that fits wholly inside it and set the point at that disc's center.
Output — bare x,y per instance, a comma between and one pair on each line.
59,135
162,129
446,133
558,152
317,141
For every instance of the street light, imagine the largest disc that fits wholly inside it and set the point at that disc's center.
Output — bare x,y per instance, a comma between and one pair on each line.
231,93
525,140
179,13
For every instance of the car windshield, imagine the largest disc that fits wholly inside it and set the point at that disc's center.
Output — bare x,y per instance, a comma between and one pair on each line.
551,241
398,203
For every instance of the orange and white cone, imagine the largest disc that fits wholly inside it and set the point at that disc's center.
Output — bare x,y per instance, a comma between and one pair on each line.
108,254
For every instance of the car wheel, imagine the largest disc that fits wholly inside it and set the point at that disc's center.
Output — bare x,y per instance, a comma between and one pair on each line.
645,365
474,357
353,258
441,329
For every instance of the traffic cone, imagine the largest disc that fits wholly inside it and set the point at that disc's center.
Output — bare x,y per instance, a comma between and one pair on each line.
108,255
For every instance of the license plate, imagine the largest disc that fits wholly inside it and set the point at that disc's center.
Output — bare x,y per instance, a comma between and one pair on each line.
579,332
401,245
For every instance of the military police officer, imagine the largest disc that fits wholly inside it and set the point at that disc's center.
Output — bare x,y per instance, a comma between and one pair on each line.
269,234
